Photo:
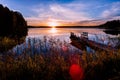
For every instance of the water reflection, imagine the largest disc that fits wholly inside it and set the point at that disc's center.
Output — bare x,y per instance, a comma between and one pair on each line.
61,32
41,40
112,32
53,30
45,46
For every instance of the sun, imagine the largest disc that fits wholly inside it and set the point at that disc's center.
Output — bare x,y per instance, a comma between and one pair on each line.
53,24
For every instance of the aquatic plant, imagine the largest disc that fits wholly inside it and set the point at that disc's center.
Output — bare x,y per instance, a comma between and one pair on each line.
51,59
7,43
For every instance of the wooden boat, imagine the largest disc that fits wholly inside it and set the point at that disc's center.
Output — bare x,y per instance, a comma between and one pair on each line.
83,41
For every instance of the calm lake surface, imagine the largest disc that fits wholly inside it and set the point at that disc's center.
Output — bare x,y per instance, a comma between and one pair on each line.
62,33
40,40
37,32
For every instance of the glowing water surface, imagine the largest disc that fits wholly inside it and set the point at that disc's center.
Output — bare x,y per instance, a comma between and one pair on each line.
40,40
62,33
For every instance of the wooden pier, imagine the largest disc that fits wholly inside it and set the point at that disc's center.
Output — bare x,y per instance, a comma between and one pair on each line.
82,41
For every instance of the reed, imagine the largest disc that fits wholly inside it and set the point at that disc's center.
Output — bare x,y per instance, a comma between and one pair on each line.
51,59
7,43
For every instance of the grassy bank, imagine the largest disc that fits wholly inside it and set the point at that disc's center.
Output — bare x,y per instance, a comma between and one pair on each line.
7,43
56,62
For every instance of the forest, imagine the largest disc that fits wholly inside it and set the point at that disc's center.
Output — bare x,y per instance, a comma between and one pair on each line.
12,23
114,24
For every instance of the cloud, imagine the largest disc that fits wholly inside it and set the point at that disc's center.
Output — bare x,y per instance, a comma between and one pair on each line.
91,22
68,14
61,12
113,11
75,12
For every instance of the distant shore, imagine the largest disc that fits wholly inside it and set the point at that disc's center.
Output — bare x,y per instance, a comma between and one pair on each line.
63,27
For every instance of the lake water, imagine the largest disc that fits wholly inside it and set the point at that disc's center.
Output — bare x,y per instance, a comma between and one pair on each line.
37,32
62,33
40,39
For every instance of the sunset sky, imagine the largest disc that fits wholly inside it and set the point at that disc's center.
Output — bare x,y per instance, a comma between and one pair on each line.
65,12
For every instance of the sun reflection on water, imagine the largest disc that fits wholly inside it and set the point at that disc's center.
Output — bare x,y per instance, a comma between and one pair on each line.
53,30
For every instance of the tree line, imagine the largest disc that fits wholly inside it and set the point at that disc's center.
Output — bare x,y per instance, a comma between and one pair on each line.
12,23
114,25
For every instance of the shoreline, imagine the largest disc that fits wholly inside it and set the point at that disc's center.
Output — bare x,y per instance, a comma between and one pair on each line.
63,27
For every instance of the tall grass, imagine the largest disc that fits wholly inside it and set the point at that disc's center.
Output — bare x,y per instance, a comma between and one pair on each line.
51,59
7,43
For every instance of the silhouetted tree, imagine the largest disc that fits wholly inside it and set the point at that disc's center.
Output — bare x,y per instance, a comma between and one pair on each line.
12,24
115,24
